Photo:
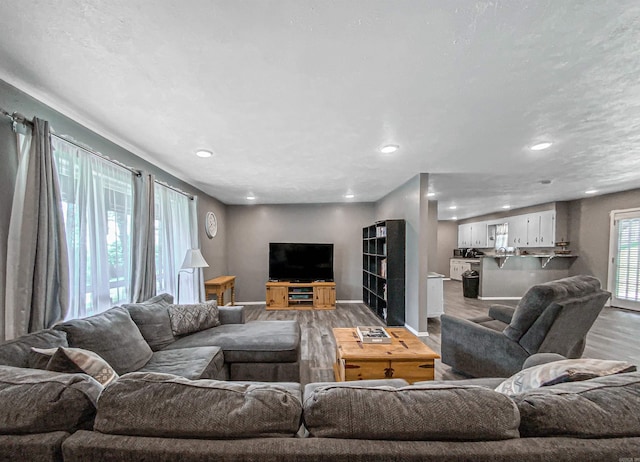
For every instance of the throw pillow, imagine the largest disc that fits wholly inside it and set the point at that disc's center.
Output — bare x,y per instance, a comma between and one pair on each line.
153,321
40,357
77,360
186,319
569,370
113,335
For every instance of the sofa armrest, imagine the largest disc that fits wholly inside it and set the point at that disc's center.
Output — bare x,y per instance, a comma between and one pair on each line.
232,314
502,313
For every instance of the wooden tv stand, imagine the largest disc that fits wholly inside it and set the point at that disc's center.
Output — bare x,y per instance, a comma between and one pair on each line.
282,295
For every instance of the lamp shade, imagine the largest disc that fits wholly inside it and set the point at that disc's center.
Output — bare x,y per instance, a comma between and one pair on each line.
194,259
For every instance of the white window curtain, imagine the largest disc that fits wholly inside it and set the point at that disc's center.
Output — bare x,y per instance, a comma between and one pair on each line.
174,230
97,200
624,272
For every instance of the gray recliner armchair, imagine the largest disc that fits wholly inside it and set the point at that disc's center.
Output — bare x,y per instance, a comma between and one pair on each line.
553,317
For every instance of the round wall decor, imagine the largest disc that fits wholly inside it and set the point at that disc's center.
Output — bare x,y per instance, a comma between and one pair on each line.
211,225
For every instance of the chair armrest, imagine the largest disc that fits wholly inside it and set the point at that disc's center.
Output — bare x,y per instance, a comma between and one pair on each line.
502,313
542,358
232,314
477,350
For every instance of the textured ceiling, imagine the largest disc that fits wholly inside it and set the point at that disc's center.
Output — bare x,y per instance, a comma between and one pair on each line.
296,97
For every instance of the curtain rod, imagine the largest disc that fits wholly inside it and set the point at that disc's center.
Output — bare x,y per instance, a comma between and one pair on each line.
19,118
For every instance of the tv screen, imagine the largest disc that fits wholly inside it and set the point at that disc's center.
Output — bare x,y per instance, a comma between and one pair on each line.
300,262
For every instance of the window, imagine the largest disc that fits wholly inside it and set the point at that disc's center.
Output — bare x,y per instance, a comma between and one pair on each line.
97,204
624,281
173,239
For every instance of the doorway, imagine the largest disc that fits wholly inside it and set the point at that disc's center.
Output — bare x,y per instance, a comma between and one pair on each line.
624,259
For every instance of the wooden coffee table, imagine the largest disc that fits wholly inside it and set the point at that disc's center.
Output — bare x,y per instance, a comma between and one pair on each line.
406,357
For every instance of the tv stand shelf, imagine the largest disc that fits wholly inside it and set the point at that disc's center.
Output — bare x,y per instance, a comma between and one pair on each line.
283,295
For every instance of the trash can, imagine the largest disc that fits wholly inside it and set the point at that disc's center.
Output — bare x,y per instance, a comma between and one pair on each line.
470,284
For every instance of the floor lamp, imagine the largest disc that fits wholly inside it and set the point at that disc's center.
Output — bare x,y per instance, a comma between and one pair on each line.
192,260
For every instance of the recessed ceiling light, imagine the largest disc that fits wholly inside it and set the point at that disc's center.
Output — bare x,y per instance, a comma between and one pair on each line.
389,148
591,191
454,218
203,153
453,207
431,194
541,146
251,197
506,206
349,196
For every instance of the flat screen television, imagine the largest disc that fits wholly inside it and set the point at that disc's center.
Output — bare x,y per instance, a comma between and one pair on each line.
300,262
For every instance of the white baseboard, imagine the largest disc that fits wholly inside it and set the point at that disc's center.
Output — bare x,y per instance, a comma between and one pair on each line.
415,332
263,302
499,298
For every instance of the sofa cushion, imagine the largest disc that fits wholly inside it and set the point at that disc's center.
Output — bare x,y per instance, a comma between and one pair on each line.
394,383
191,363
566,370
113,335
36,401
150,404
437,412
186,319
255,341
604,407
78,361
17,352
152,318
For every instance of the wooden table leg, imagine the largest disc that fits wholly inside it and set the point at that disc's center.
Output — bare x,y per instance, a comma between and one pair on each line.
233,294
221,298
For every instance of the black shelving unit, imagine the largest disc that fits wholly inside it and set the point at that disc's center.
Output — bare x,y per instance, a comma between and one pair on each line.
383,273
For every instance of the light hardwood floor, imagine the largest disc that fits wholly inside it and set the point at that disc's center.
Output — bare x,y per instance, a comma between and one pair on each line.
614,335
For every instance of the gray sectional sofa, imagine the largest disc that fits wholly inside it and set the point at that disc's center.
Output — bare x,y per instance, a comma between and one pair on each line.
163,418
173,408
139,337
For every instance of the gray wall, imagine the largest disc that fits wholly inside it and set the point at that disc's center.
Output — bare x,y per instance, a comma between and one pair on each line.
447,241
409,202
589,225
254,226
14,100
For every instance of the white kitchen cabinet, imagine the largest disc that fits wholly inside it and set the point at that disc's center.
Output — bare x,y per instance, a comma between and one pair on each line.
457,267
547,236
518,231
533,230
479,234
541,229
473,235
464,235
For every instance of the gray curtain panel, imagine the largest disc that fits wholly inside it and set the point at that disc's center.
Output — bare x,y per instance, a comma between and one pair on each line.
37,279
8,172
143,271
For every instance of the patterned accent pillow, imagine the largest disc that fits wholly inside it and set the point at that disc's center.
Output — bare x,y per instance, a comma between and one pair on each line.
77,360
186,319
568,370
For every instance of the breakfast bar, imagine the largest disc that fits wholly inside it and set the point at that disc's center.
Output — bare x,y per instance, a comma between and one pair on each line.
509,276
